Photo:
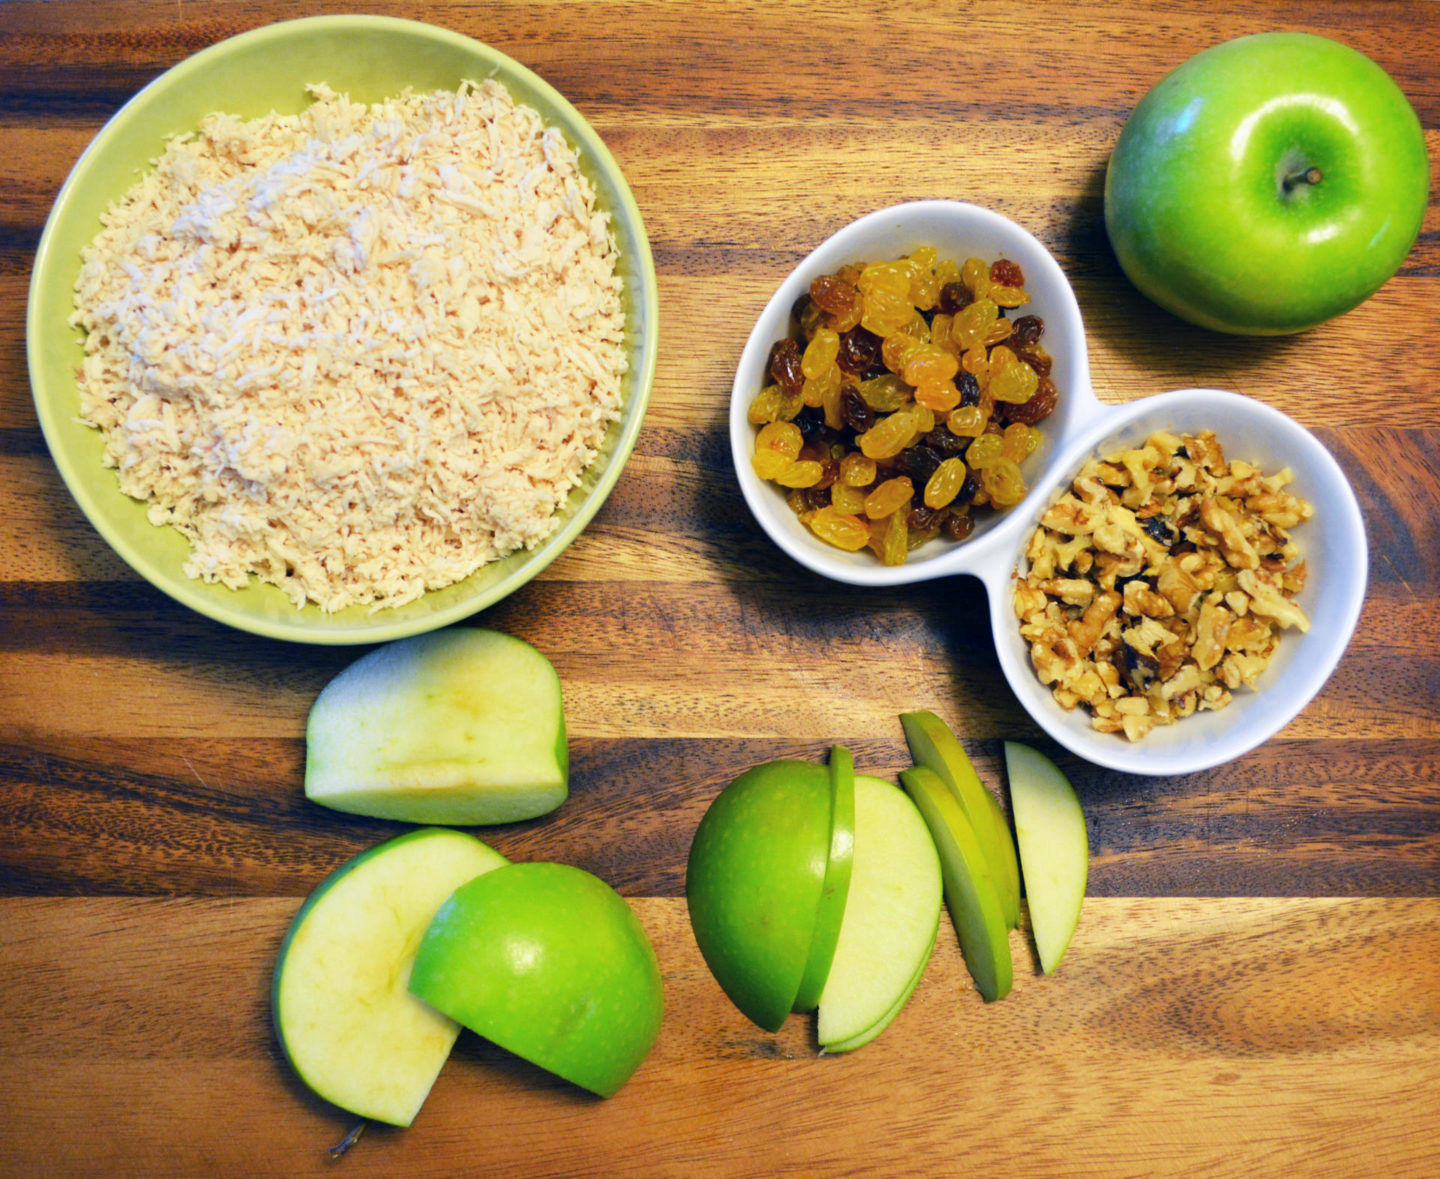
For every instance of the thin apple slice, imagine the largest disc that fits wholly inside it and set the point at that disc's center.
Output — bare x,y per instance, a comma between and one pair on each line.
1054,848
862,1038
934,746
342,1012
831,913
462,726
891,916
970,892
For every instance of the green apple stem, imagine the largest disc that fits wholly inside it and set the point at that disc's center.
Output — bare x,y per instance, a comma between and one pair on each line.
1309,176
348,1141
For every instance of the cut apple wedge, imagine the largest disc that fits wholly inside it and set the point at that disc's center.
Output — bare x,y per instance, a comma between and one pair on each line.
342,1012
890,918
551,963
463,726
1054,848
838,867
970,892
754,883
934,746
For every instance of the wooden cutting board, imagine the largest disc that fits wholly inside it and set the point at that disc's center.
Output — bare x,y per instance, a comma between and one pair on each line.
1254,986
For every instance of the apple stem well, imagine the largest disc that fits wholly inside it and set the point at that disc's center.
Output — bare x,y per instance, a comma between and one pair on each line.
1293,180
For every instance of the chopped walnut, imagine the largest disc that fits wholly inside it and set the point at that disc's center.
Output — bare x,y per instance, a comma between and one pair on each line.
1159,583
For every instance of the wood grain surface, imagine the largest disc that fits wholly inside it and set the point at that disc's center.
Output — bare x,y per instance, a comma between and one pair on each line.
1255,985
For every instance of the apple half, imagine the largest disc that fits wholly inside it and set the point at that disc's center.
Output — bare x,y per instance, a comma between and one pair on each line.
550,963
971,894
1054,848
462,726
342,1011
934,745
755,883
812,889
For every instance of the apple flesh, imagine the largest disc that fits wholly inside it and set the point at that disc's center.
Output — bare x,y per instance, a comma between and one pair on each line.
463,726
754,884
1267,184
934,745
341,1008
550,963
971,894
890,919
1054,848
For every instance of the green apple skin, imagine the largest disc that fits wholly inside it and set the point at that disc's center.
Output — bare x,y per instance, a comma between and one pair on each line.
970,891
933,744
1197,204
891,918
833,896
339,1000
754,882
1054,848
463,726
550,963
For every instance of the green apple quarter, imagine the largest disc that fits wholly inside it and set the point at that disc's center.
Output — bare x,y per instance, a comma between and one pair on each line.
1267,184
1054,848
890,921
550,963
755,881
339,997
463,726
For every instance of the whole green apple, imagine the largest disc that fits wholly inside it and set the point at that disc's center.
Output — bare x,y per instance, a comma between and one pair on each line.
550,963
1267,184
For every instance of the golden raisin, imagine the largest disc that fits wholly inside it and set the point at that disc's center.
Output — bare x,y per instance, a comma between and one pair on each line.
888,497
944,485
842,530
856,470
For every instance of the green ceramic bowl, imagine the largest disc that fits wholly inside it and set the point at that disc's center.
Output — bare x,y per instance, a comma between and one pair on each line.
370,58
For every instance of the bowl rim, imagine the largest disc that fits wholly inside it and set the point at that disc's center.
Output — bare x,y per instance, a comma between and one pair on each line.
356,625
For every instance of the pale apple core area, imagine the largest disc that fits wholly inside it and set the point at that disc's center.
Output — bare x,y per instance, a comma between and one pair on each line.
462,726
342,1011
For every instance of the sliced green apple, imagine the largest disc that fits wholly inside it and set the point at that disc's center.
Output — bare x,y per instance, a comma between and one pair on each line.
836,890
970,891
934,745
462,726
342,1012
890,918
754,883
1054,848
862,1038
550,963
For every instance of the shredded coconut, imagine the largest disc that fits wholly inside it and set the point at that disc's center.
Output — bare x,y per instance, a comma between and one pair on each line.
359,352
